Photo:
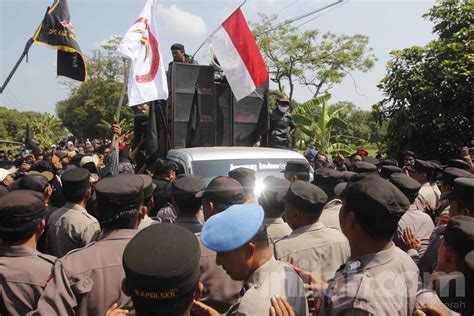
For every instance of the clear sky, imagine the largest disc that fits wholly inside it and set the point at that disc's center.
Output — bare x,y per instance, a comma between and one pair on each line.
390,24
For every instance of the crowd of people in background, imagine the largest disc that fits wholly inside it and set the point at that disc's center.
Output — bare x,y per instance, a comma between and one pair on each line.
83,231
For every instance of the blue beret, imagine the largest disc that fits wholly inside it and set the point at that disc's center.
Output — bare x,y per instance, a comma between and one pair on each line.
232,228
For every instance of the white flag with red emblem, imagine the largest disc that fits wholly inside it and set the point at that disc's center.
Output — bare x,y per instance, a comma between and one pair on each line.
239,55
147,78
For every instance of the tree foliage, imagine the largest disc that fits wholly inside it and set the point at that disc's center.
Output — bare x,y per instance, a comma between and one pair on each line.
95,101
46,128
317,126
429,90
310,57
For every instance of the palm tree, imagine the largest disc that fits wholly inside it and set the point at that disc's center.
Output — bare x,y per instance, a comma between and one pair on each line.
47,129
316,126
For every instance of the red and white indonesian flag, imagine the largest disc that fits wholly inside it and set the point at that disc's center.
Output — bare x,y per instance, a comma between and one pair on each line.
239,55
147,78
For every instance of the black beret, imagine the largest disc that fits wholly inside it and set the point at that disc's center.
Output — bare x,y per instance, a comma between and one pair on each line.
148,186
347,175
20,207
224,190
459,233
297,166
275,185
387,170
451,173
75,179
436,165
274,189
162,262
162,190
469,260
363,167
327,177
406,184
245,176
463,189
376,194
371,160
420,166
34,182
388,162
339,188
188,185
177,46
122,192
458,163
305,196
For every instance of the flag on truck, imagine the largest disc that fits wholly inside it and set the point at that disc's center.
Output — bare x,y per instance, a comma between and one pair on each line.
238,55
56,30
147,79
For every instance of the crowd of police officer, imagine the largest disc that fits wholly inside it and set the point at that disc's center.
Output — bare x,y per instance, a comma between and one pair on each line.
364,237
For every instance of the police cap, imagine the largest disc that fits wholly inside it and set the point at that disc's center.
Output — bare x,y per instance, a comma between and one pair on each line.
376,195
76,179
232,228
451,173
463,189
458,163
34,182
459,234
306,197
371,160
148,186
387,170
224,190
297,166
420,166
274,189
188,186
245,176
119,193
20,207
327,177
406,184
162,263
363,167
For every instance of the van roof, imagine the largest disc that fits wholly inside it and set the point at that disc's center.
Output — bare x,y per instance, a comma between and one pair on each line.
226,153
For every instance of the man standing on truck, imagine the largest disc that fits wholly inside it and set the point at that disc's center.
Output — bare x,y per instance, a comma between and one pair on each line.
282,125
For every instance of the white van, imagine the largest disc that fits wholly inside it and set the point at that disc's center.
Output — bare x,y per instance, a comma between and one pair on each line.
210,162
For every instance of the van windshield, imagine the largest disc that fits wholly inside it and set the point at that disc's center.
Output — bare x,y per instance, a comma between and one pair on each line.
210,169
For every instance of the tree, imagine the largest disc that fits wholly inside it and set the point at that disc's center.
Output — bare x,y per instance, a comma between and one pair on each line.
318,61
317,126
95,101
429,94
47,129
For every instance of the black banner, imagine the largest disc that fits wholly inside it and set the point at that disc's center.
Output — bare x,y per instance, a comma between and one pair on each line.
57,31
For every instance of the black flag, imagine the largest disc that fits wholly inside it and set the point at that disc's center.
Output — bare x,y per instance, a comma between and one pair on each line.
194,135
56,30
152,148
29,142
263,123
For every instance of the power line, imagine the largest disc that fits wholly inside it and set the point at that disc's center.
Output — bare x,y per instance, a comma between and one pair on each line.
317,16
301,17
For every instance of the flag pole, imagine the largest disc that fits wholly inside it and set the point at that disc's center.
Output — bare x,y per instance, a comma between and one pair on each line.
204,42
126,70
25,53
